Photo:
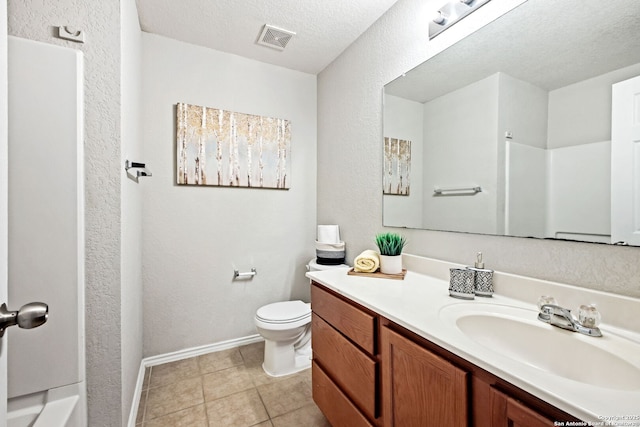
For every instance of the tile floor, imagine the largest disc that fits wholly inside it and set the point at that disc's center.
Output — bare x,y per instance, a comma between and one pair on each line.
226,388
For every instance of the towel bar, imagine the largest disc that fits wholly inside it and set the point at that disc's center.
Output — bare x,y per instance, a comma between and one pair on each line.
456,191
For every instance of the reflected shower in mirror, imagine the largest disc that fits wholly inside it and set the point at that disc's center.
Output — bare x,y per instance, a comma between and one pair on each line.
521,112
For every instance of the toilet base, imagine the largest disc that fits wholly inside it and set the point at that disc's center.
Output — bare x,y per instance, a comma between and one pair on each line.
281,358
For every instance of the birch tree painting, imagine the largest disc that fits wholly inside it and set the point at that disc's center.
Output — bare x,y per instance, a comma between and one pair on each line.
397,165
224,148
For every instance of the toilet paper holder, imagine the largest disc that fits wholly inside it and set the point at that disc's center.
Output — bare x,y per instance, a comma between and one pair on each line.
245,275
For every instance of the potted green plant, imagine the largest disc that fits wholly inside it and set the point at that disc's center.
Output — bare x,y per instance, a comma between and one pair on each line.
390,246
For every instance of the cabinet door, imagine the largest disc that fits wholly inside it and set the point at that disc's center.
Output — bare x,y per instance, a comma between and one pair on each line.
419,388
508,412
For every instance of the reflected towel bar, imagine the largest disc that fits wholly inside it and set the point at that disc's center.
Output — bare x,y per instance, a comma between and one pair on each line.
466,191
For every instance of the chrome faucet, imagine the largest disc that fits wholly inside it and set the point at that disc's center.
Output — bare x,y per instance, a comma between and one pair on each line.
562,318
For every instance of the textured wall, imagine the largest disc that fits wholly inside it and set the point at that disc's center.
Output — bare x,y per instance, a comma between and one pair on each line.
350,160
131,195
36,19
194,237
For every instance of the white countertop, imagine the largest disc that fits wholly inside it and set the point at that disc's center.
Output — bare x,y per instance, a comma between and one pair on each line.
416,303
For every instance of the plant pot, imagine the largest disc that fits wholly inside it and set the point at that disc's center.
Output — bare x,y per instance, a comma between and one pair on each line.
391,264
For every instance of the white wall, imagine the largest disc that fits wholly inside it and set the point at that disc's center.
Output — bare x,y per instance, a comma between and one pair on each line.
131,208
523,111
581,113
350,123
403,120
461,151
34,19
194,237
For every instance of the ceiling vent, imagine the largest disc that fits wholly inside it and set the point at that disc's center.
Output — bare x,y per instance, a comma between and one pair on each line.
274,37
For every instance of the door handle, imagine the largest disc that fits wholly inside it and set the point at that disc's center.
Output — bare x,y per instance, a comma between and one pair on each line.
29,316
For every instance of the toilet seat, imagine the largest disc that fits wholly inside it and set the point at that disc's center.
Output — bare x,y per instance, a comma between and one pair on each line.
284,312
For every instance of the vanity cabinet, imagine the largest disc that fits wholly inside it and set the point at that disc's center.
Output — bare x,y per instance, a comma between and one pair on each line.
423,381
509,412
418,385
345,368
369,371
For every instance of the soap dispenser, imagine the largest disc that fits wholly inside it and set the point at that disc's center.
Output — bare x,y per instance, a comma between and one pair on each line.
483,281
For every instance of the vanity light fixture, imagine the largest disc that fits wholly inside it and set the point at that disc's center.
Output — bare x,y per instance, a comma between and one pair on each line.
451,13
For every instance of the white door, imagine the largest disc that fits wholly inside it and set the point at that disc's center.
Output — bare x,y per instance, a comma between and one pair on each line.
625,162
3,205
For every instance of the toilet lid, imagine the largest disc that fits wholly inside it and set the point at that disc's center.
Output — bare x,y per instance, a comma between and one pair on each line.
284,312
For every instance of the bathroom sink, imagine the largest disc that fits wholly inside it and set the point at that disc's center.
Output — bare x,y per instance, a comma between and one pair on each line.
610,361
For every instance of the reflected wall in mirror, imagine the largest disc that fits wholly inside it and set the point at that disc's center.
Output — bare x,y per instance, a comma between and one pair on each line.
537,109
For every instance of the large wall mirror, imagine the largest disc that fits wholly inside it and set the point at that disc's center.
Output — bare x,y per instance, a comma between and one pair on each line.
524,128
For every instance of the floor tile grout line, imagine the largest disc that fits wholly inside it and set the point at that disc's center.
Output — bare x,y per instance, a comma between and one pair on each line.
264,404
204,397
178,410
256,382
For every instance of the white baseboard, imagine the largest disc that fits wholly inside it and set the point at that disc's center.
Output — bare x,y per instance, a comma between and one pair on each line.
180,355
198,351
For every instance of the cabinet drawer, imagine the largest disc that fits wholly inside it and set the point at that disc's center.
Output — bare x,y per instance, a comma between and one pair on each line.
354,323
349,367
333,403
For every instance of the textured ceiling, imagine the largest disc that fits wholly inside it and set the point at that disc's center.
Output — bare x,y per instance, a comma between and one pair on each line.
323,28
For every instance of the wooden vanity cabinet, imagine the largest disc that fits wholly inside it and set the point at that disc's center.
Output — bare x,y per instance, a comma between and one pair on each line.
426,385
345,369
509,412
368,371
418,385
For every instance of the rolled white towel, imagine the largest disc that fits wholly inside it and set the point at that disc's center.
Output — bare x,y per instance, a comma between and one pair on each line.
367,262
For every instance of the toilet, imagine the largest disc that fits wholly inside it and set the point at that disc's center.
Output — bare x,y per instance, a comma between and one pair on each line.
286,329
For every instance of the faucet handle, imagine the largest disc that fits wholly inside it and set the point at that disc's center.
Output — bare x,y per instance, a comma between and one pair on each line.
544,300
589,316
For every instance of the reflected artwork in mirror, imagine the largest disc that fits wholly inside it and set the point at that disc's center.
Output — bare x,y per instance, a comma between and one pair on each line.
540,109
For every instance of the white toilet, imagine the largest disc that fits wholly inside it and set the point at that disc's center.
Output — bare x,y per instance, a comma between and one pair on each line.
286,329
